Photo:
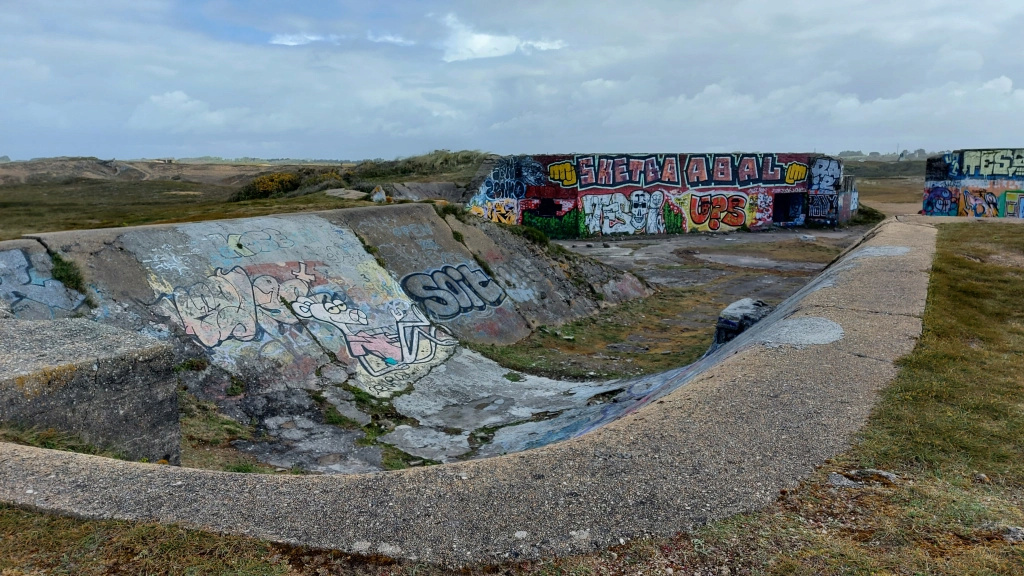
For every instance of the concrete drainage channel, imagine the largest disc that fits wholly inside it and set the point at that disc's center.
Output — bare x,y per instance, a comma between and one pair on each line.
676,449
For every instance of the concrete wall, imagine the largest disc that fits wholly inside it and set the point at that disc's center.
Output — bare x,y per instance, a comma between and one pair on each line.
978,183
112,388
576,196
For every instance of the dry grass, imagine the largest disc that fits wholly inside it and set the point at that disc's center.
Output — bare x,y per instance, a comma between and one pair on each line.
83,204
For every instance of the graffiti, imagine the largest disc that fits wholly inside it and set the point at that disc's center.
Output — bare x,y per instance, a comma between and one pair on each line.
715,210
741,170
500,210
854,200
979,204
941,201
765,206
510,177
453,290
412,340
608,194
1013,204
823,206
287,318
32,293
618,171
247,245
825,174
641,213
989,163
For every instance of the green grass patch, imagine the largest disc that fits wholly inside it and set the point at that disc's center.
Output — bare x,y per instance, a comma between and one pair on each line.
672,328
867,216
53,440
197,364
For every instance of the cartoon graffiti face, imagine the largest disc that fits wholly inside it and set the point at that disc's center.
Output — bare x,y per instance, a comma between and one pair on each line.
939,200
218,308
330,309
825,174
639,204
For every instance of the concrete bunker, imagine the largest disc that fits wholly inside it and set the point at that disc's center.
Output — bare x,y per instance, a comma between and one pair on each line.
660,468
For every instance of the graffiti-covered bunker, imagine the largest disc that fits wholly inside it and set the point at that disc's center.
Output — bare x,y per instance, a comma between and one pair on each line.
979,183
576,196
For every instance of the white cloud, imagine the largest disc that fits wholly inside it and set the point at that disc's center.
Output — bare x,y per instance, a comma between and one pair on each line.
177,112
389,39
302,39
465,44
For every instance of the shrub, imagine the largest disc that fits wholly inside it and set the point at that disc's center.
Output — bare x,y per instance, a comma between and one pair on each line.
268,186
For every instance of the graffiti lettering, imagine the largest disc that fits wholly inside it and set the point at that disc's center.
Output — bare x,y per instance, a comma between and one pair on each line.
1008,163
453,290
741,170
823,206
714,210
510,177
618,171
825,175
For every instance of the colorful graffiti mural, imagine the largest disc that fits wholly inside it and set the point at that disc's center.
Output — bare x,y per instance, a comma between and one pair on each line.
975,183
607,194
260,304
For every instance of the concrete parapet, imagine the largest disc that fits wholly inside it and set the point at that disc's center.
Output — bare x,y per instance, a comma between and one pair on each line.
112,388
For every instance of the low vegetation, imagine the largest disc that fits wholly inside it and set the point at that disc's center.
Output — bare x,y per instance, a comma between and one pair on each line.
439,165
82,204
206,437
672,328
52,439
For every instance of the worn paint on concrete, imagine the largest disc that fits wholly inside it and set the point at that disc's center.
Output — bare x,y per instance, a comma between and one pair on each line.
292,294
27,285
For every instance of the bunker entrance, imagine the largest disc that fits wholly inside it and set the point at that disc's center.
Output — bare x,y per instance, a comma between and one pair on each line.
788,208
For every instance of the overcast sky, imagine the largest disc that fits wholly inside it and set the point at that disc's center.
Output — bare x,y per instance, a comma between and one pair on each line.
364,79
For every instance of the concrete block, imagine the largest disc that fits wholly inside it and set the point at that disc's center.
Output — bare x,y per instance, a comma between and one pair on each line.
112,388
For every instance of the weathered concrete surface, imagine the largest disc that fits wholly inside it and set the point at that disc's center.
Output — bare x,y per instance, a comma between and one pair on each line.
110,387
27,285
437,271
417,191
542,286
755,418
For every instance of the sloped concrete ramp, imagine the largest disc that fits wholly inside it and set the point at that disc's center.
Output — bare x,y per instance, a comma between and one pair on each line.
755,417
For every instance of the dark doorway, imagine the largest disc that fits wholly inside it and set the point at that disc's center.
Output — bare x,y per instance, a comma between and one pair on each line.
548,207
787,207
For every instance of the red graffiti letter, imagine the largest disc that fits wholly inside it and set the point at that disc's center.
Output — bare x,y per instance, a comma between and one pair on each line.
723,169
586,169
747,171
604,171
670,171
697,170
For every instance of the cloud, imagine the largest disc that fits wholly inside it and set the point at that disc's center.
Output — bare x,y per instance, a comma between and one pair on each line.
465,44
302,39
389,39
178,112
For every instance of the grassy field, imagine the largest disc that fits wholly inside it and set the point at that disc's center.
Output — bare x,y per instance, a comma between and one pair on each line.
951,427
83,204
